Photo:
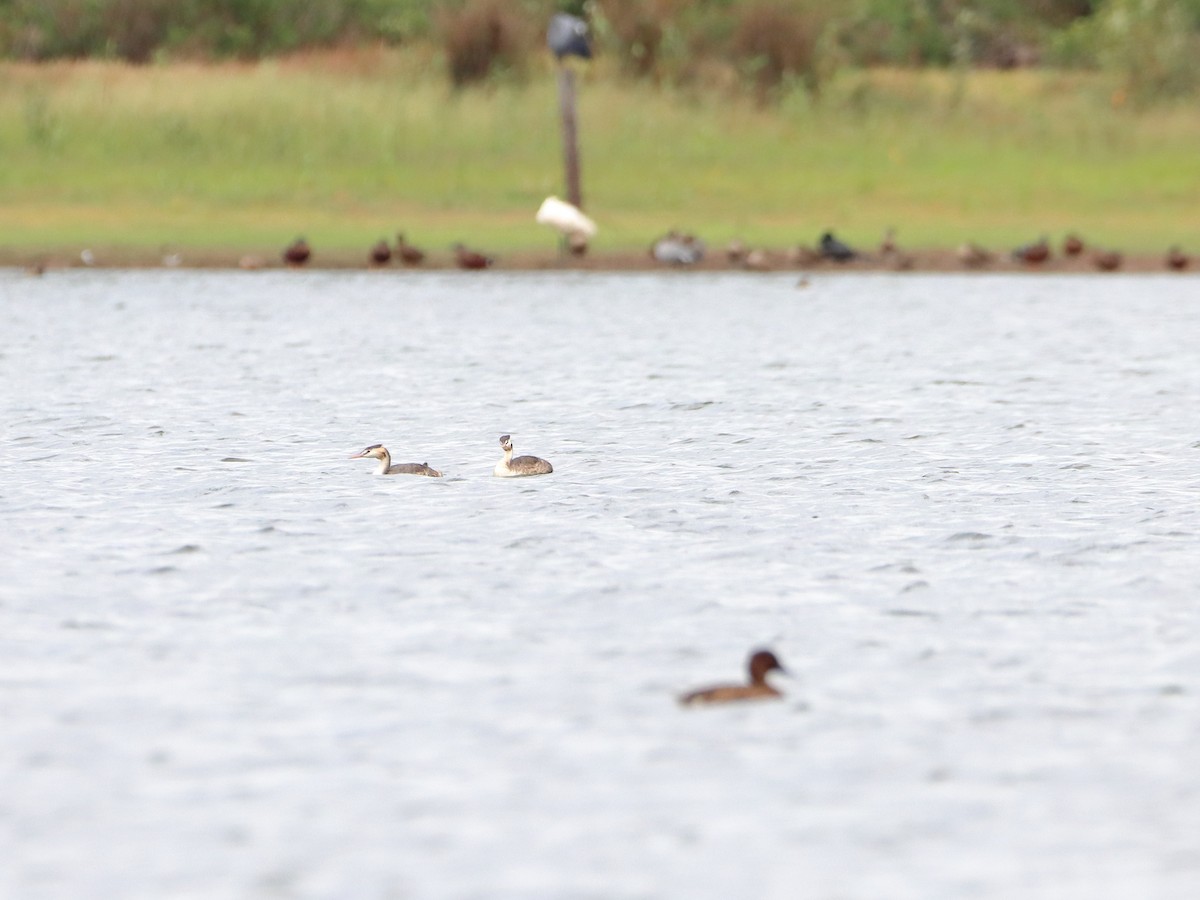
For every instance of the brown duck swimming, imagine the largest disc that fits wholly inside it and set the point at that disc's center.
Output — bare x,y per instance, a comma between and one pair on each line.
386,467
761,662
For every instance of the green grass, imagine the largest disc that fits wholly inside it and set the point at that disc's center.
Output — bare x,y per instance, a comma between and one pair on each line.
345,149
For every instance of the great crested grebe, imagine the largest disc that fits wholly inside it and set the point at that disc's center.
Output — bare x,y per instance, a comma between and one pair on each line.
522,465
761,662
379,452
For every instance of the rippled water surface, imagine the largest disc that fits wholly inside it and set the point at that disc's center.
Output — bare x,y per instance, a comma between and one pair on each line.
235,663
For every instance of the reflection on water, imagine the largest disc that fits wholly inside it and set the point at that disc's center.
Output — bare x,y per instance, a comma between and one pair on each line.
236,663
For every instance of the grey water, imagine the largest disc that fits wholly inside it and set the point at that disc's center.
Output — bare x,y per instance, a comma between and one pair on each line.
963,511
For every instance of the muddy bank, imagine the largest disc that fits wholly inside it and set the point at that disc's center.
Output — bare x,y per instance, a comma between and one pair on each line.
771,260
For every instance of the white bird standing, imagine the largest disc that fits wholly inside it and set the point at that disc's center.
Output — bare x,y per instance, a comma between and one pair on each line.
565,218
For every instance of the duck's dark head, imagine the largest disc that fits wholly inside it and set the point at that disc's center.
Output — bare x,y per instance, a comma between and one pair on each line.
762,662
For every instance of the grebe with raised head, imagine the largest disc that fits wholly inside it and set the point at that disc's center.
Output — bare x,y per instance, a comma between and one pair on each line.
522,465
761,662
380,452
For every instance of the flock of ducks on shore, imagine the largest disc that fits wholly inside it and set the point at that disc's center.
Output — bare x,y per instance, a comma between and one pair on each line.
761,662
681,249
508,467
678,249
381,254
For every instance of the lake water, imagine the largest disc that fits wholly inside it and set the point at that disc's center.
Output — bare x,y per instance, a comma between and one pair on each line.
964,512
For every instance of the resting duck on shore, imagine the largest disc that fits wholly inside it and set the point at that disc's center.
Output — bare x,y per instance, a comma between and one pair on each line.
471,259
297,253
381,253
1107,260
677,249
973,256
832,248
409,255
1033,254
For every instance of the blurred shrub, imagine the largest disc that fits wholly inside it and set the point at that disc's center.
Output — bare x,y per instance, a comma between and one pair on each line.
635,30
483,37
1000,33
1152,45
773,40
137,30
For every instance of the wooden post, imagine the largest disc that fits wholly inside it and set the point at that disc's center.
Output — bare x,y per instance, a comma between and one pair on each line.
566,109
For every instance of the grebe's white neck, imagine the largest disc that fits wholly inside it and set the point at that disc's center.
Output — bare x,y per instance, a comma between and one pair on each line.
504,467
385,461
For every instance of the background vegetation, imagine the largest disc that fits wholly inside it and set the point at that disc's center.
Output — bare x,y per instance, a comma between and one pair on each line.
1152,44
237,124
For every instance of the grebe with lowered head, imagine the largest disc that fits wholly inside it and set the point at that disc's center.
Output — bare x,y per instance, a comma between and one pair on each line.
761,662
380,452
522,465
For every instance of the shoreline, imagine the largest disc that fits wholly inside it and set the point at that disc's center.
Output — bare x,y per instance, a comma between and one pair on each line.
797,261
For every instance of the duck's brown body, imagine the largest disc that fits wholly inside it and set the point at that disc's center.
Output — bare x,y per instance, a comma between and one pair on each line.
1037,252
297,252
471,259
761,662
381,253
730,693
409,255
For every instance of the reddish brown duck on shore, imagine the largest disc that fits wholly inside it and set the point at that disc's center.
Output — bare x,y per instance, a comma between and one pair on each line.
1033,254
471,259
1177,259
297,253
409,255
380,254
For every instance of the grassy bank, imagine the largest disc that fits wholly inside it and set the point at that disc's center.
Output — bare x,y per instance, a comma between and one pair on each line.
347,148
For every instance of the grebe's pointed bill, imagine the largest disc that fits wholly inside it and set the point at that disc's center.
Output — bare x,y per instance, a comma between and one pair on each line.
366,451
